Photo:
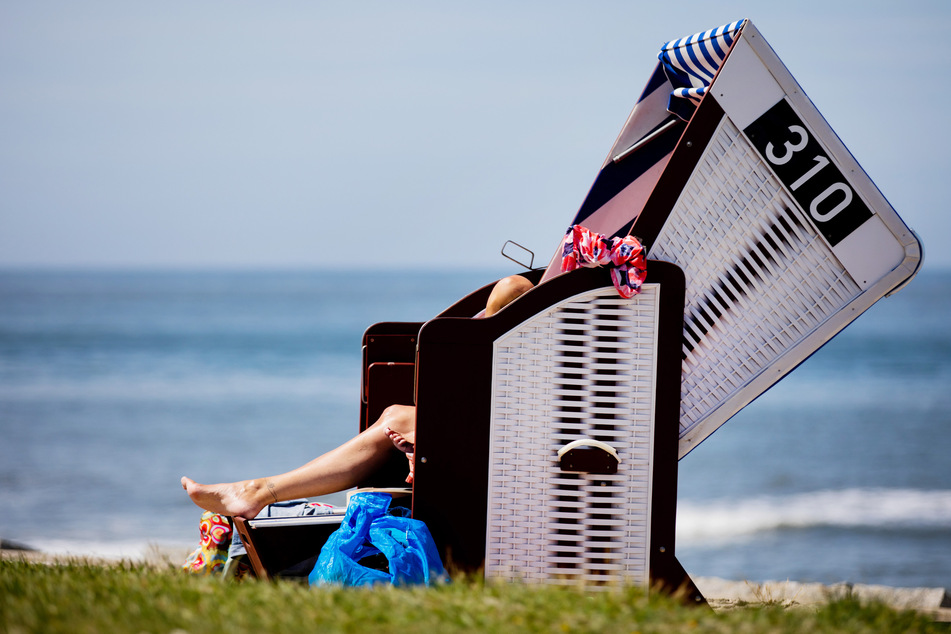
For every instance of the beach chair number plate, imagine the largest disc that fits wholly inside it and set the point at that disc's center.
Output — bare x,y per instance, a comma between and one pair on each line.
798,160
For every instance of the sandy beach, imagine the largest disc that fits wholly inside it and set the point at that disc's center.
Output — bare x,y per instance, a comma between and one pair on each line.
723,594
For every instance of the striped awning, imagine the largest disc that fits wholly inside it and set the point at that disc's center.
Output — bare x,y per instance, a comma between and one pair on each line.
691,62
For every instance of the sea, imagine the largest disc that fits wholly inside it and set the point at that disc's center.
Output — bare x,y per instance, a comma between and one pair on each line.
114,384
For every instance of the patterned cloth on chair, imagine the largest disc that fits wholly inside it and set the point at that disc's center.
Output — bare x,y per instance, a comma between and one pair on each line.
212,555
625,256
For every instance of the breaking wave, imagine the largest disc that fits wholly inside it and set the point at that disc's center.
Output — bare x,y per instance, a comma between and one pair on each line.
721,520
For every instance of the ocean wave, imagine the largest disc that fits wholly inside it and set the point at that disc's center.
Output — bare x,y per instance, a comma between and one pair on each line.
722,520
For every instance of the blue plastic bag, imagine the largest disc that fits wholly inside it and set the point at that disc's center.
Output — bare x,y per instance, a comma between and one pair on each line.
369,529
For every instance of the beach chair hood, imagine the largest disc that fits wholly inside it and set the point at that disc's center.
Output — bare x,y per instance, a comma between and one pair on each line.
726,168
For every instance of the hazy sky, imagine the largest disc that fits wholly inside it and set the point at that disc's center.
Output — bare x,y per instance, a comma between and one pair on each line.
394,134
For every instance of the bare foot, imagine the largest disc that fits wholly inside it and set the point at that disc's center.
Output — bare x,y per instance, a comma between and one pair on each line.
406,447
236,499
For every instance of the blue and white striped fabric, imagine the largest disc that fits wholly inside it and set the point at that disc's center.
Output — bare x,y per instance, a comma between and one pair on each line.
691,62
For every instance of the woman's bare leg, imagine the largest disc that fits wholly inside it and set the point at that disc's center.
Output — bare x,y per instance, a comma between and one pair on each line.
336,470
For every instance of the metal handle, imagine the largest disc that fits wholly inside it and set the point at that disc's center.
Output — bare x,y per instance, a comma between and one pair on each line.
587,455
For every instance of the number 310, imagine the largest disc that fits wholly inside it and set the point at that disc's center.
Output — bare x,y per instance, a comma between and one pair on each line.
789,149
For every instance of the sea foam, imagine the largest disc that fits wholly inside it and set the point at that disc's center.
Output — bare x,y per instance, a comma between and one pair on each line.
723,520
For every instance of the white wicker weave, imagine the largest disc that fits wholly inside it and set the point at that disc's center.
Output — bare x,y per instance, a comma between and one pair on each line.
583,369
760,279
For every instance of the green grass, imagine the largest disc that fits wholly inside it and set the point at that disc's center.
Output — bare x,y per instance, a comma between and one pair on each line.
80,597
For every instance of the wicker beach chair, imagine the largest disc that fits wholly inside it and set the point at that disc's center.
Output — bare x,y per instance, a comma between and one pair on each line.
546,435
766,238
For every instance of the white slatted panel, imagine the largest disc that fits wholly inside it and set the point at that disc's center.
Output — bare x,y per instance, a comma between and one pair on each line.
584,369
759,278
